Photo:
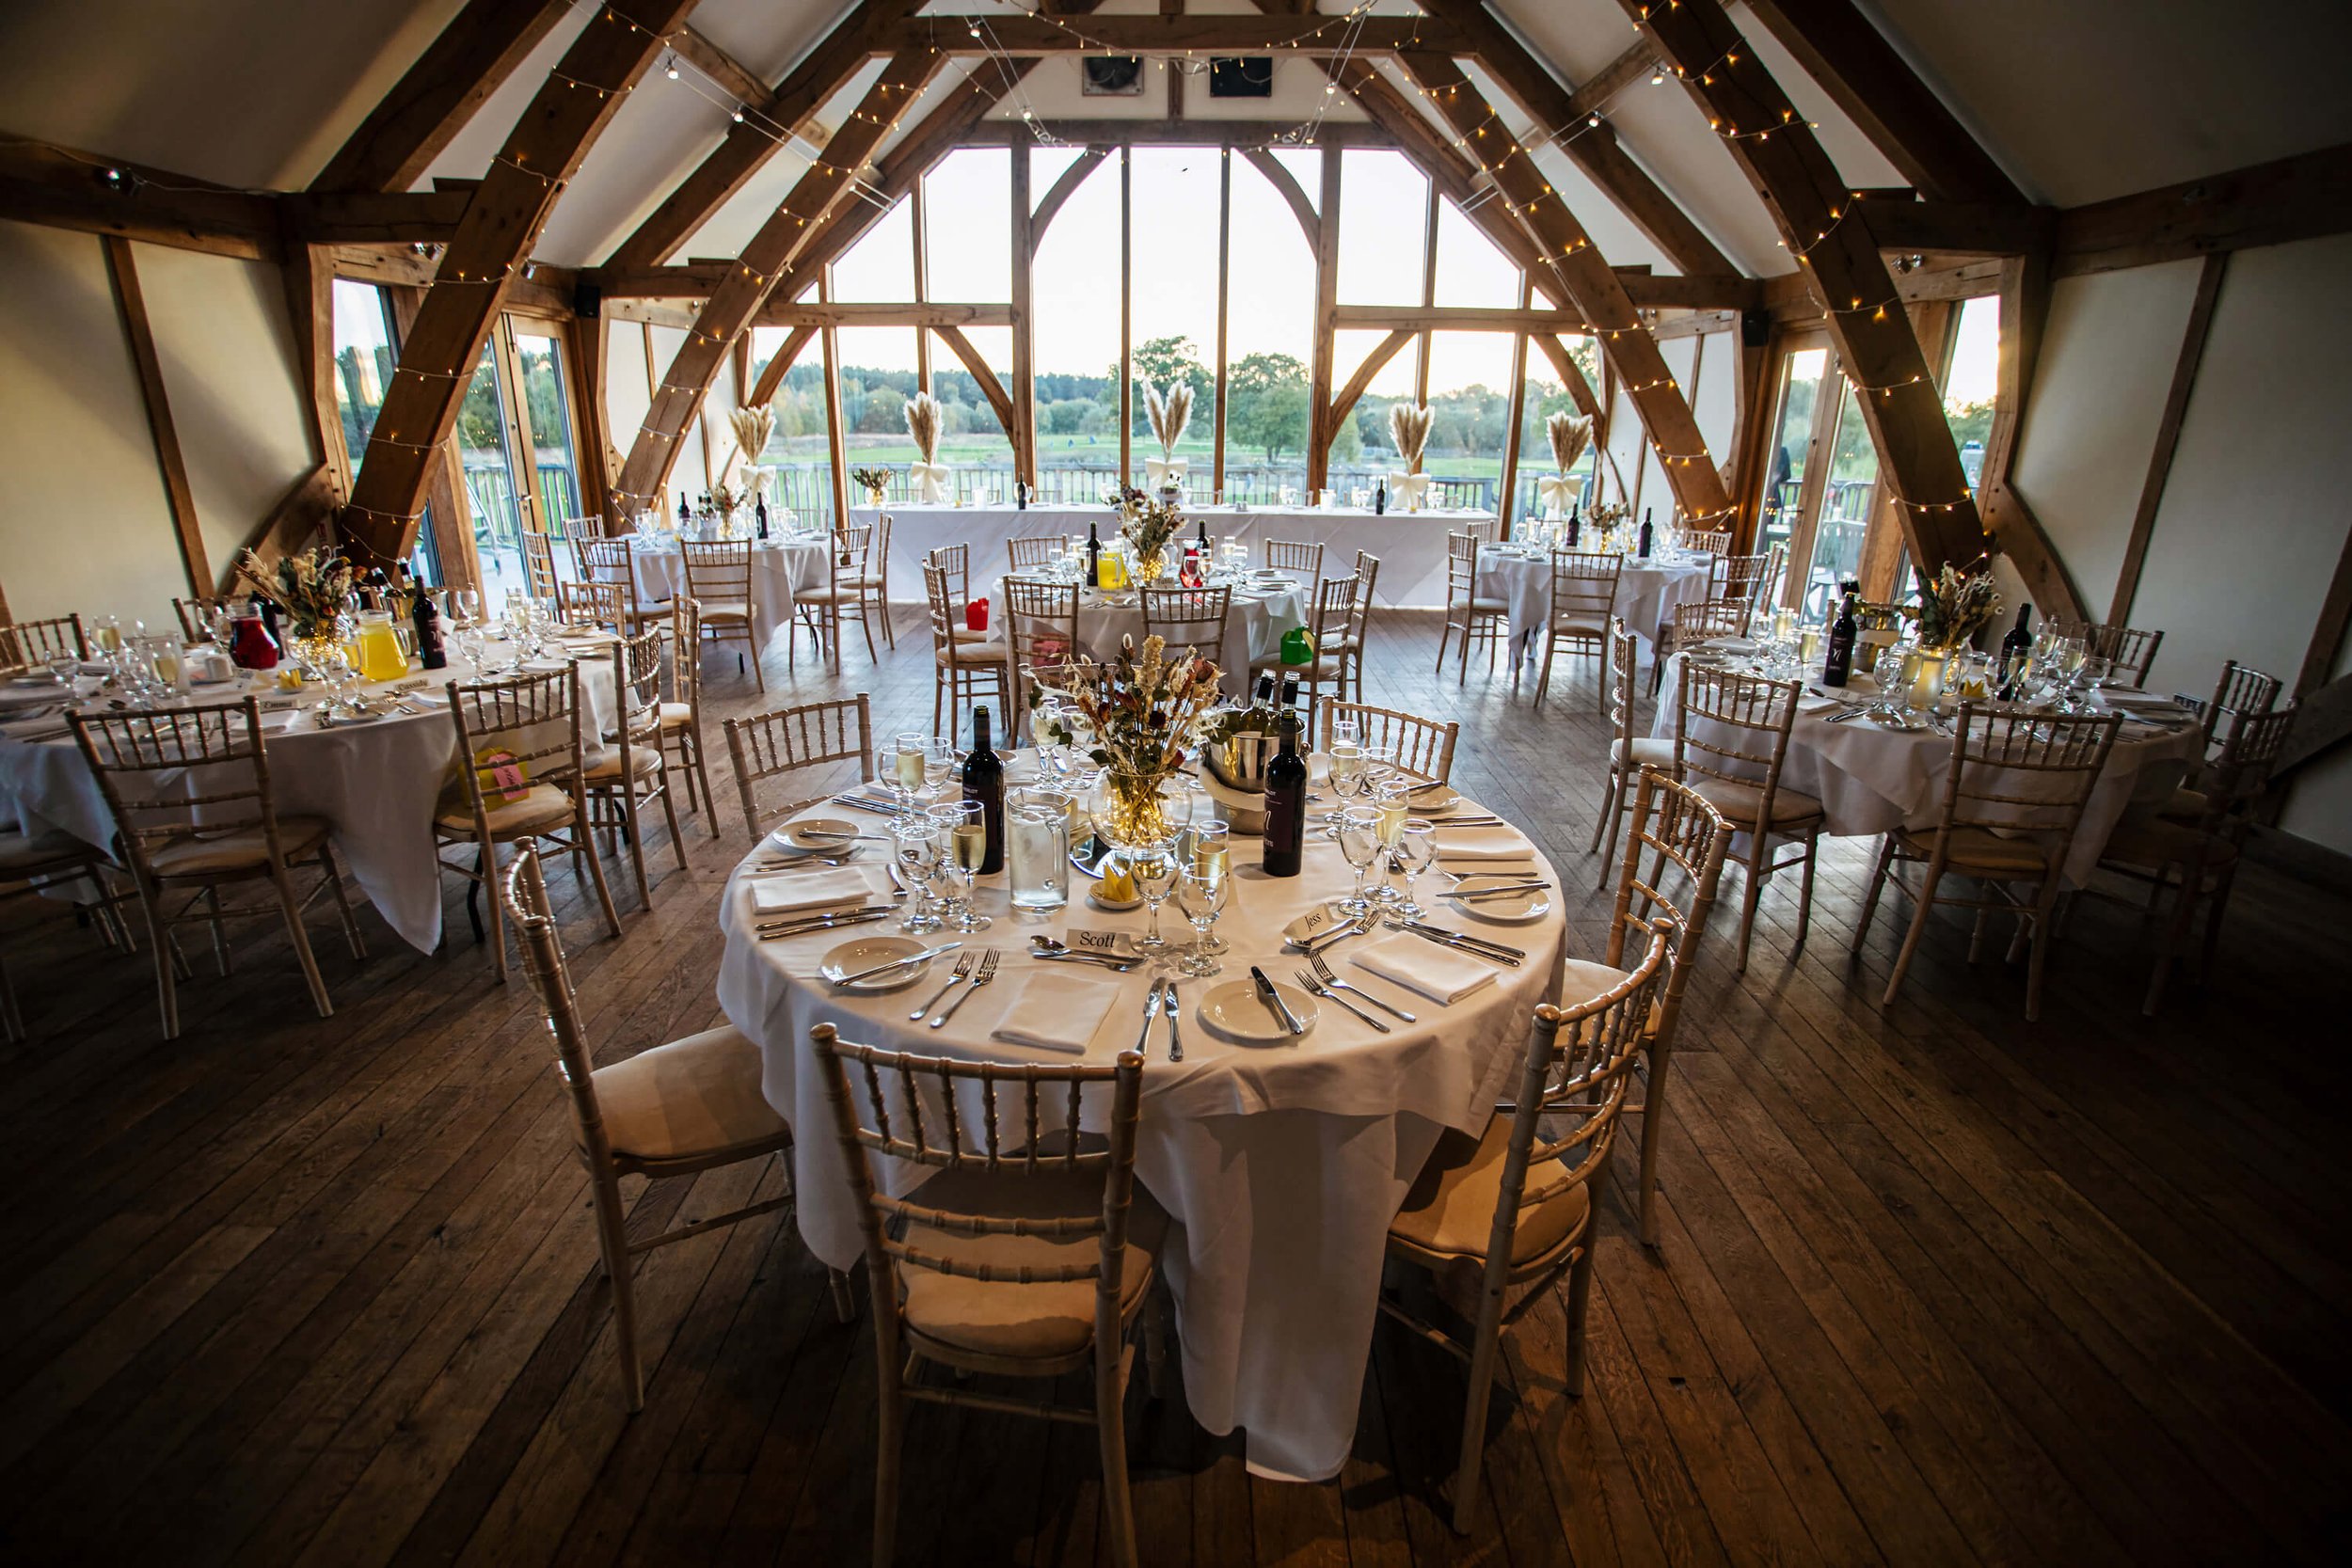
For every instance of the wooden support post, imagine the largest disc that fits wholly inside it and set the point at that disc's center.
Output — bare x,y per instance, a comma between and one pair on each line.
922,289
1023,231
308,275
1428,295
445,496
836,438
122,268
1224,300
1126,316
1507,503
1319,426
2169,433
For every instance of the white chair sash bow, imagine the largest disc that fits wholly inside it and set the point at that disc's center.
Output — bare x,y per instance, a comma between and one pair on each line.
1557,492
930,481
1409,490
1163,471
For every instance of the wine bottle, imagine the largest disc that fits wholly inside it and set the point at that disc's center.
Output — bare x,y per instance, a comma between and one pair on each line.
1094,554
426,616
1204,541
1286,805
1019,496
1380,499
1265,692
1575,523
984,783
2016,653
685,510
1645,534
1840,664
759,509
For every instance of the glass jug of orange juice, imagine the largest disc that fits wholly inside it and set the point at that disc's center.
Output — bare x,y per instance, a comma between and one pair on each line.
380,655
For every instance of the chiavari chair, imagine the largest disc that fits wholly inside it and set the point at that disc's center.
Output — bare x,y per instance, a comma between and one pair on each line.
955,561
632,770
1731,744
1422,747
1700,541
1628,753
767,746
1698,622
524,731
594,603
965,670
1685,841
844,594
1188,620
682,714
2012,801
539,574
1515,1209
228,831
1584,598
677,1109
1041,622
615,560
1030,1253
1032,555
2197,860
23,643
1293,555
2241,690
2128,651
1477,617
1741,580
718,579
874,595
1353,642
195,617
1335,609
32,865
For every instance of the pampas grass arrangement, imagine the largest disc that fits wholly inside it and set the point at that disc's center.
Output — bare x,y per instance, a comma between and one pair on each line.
752,426
1409,427
1171,412
923,424
1571,435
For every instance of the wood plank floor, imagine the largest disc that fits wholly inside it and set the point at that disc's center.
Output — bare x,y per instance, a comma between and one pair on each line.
1936,1285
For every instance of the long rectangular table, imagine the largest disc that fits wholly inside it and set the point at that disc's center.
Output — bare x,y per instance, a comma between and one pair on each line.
1411,545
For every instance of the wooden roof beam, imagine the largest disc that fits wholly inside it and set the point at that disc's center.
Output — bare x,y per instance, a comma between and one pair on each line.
1145,34
1960,228
67,188
1236,134
505,216
481,46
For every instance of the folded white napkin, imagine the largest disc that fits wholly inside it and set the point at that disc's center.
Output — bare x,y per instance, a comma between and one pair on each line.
816,889
1816,703
1055,1010
1476,843
282,718
1443,975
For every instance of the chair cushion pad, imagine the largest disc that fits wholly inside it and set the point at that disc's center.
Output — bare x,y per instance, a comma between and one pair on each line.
244,849
1740,802
1981,849
689,1098
2153,842
1005,1318
606,768
731,611
1658,753
542,806
1450,1209
676,716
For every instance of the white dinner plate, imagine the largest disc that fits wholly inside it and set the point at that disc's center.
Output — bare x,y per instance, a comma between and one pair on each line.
865,953
38,693
818,835
1434,804
1515,909
1233,1012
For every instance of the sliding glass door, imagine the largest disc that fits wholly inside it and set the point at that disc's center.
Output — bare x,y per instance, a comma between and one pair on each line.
515,437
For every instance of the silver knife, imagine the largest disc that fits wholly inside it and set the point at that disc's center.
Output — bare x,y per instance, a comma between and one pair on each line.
1273,1000
1175,1034
810,927
1150,1011
1497,890
1465,936
1461,947
898,964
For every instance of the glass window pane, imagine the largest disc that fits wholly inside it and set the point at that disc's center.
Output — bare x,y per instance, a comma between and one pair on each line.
1076,282
1846,493
554,473
1783,474
881,266
364,361
797,451
1384,219
1970,379
967,227
975,442
1547,395
1360,447
1270,329
1175,205
1471,271
1470,411
877,378
483,455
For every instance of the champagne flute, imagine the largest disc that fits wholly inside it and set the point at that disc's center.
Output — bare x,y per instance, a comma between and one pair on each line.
1153,867
1359,845
1207,848
963,827
915,862
1348,777
1201,890
1416,851
910,768
1391,807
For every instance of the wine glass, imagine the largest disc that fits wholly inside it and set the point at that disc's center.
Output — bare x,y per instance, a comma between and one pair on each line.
963,827
1349,775
909,766
1416,851
914,862
1154,865
1359,845
1201,890
941,762
1391,805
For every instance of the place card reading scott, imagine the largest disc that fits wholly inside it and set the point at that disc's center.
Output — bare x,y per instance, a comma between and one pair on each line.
1119,944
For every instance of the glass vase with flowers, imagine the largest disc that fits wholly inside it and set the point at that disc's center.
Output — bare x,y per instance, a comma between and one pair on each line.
1147,523
1140,715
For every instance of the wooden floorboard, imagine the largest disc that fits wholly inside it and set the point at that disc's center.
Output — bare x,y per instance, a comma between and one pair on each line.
1935,1285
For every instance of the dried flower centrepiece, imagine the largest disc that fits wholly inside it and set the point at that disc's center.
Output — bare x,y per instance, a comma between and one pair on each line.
923,422
1148,523
1571,435
311,587
1409,427
1957,604
1141,712
752,426
1169,412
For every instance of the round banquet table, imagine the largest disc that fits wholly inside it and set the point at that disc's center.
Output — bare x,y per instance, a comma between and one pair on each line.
1872,780
1647,591
1281,1167
377,781
1253,627
781,568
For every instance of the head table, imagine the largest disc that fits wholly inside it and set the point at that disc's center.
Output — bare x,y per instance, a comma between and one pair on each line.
1281,1166
1647,591
378,782
1410,544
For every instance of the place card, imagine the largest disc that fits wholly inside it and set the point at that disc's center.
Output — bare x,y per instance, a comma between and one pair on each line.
1117,944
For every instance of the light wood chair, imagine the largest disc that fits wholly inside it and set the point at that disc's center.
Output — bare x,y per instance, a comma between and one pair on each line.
875,583
2128,651
1702,621
195,625
1041,622
1031,1253
965,670
1422,747
54,862
2242,690
539,574
2012,801
719,577
1685,840
1584,601
1740,579
1190,620
1731,743
1477,617
1515,1208
1291,555
2197,860
1629,754
38,641
766,746
631,769
592,602
1487,532
615,560
533,720
237,836
956,562
1031,554
682,714
1353,642
844,595
1714,542
1335,610
689,1106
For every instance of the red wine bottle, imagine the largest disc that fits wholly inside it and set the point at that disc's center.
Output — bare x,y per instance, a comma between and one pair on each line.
1838,666
1286,805
984,783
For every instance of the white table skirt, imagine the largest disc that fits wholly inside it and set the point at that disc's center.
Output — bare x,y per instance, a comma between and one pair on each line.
378,784
1253,627
1411,545
1648,593
780,569
1282,1169
1872,780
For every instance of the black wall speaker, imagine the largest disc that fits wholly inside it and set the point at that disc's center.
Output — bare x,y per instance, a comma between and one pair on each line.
1755,327
587,300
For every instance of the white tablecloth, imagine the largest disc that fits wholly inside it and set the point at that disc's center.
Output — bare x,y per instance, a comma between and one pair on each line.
1647,591
1253,627
1872,780
1411,545
1282,1167
780,569
376,783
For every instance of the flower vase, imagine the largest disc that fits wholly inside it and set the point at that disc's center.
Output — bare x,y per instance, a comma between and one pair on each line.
321,656
1131,810
876,496
1150,565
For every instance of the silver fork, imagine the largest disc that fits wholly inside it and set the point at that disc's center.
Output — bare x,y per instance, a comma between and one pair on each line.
1330,995
963,973
988,972
1322,973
